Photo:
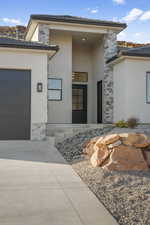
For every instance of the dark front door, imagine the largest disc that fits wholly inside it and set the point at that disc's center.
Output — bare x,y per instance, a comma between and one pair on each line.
14,104
99,102
79,104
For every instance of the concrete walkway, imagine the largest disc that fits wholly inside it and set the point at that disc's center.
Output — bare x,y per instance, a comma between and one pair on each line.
38,187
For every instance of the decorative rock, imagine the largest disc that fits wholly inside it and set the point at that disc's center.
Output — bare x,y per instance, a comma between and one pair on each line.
110,139
142,144
133,138
115,144
88,147
124,158
120,152
99,156
99,143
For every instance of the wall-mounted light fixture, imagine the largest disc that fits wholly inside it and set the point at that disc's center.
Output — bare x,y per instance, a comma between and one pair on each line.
39,87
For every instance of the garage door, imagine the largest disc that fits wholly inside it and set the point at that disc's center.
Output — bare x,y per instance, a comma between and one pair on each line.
15,98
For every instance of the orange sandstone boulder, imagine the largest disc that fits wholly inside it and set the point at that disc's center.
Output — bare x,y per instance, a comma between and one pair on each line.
132,139
88,147
99,156
110,139
124,158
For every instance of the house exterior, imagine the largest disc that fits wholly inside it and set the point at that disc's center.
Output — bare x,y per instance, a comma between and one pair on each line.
69,70
79,66
23,105
131,75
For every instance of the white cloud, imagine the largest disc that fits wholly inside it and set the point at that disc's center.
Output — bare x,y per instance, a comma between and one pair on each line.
122,36
138,34
11,21
94,11
145,16
133,15
120,2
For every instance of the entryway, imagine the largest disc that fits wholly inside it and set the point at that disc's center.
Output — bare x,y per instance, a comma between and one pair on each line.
79,104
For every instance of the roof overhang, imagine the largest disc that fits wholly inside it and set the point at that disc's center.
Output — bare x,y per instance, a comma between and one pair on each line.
50,53
66,26
119,59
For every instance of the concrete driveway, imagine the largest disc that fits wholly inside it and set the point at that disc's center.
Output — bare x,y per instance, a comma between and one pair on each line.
38,187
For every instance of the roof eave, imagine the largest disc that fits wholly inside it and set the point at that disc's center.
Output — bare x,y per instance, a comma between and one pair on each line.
22,48
77,21
113,61
136,54
119,28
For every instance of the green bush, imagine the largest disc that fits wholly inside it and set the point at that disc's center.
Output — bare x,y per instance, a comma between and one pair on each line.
121,124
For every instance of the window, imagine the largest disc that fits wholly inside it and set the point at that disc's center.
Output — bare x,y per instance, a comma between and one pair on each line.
79,77
54,89
148,87
77,99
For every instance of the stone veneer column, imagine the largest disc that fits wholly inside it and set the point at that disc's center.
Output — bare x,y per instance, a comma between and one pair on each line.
110,49
44,33
38,131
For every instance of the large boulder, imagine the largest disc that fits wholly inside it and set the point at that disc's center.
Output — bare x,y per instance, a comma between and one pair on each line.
88,147
99,156
109,139
125,158
135,139
128,151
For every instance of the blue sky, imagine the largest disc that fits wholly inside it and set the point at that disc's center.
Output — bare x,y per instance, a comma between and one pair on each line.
136,13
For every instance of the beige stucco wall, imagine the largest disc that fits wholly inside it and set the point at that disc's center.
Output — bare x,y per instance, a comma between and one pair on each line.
82,62
37,63
35,36
130,90
60,66
120,91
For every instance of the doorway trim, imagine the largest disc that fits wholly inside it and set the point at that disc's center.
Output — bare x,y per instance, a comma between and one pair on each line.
80,116
99,101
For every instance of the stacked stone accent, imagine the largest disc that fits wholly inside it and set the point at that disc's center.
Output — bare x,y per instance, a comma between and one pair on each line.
13,32
44,33
38,132
110,49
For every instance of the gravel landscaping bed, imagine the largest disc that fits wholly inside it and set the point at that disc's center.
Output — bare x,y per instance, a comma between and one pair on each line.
125,194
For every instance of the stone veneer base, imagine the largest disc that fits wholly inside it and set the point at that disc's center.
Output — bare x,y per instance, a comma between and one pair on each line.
38,131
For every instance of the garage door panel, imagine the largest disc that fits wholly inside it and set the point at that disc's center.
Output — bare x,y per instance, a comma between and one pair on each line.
12,133
15,100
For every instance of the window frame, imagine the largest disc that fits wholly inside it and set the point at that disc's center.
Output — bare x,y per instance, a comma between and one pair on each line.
147,97
80,82
55,89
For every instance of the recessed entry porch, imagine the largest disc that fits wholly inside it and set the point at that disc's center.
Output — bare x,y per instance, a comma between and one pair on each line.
76,72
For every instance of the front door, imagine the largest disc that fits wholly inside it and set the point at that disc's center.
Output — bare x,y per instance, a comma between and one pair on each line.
79,103
99,102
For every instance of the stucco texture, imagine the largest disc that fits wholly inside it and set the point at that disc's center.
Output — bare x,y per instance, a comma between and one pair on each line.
130,90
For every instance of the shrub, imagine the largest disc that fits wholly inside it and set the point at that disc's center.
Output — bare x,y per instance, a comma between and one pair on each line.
132,122
121,124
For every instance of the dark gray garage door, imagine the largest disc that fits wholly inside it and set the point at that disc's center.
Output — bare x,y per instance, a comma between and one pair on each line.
15,88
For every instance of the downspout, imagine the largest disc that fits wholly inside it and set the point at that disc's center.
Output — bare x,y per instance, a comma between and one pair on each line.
50,57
